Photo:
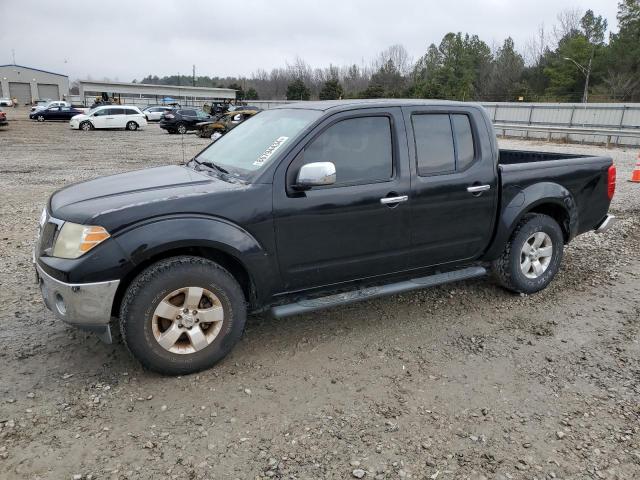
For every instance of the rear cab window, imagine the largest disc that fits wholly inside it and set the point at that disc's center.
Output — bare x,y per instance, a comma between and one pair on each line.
444,142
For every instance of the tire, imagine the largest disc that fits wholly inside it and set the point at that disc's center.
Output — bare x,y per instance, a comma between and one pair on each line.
545,245
181,128
86,126
40,118
132,126
153,291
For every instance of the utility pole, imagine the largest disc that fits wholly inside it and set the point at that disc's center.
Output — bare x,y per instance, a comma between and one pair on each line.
586,71
194,75
13,55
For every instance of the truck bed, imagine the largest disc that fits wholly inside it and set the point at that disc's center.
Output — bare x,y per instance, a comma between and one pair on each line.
510,157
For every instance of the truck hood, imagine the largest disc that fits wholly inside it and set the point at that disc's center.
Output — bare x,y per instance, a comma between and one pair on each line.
118,200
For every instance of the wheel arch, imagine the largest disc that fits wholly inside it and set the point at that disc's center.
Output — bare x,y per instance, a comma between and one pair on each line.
215,239
545,198
229,262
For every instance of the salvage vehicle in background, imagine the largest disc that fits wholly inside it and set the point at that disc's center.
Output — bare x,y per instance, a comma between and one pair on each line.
55,113
45,104
308,206
214,130
110,116
182,119
153,113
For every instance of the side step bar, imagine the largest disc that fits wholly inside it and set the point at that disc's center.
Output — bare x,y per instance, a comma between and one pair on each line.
310,305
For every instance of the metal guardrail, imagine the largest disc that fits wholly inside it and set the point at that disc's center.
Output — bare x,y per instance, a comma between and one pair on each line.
609,133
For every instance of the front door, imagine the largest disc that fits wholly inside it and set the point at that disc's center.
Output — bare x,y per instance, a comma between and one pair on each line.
357,227
454,185
99,118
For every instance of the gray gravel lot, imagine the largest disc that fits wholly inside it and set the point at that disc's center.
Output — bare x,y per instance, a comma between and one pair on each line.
464,381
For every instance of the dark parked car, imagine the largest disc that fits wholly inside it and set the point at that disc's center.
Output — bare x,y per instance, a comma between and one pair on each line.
55,113
3,119
304,207
181,120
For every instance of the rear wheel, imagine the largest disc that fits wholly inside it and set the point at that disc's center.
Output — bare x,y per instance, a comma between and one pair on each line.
532,256
182,315
86,126
132,126
182,128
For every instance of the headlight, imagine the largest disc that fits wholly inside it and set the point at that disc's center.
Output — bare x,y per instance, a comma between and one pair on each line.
75,240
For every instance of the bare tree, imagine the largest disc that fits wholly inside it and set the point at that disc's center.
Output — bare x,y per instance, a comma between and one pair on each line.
568,23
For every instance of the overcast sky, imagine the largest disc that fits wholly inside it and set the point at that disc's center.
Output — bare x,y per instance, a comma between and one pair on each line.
127,39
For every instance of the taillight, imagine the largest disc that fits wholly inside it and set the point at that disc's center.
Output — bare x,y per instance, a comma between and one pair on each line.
611,181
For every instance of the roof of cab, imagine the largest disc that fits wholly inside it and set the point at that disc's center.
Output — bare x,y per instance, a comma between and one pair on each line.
325,105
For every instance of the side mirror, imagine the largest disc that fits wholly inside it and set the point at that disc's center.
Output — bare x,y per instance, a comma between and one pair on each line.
316,175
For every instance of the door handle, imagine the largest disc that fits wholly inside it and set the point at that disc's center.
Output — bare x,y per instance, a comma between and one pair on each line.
478,188
392,200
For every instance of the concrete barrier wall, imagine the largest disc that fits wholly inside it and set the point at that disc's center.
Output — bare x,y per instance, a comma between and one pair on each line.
604,115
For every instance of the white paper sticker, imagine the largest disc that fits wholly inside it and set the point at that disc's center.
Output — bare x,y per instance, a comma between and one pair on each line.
270,151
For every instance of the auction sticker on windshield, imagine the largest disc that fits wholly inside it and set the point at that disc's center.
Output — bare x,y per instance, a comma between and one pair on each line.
270,151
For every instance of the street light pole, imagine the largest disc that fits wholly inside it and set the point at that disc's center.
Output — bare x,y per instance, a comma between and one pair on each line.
587,74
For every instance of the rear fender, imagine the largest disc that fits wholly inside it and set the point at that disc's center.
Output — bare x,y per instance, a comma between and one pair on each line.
520,201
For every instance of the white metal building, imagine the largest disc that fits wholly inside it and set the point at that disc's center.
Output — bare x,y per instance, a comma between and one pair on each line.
28,84
144,93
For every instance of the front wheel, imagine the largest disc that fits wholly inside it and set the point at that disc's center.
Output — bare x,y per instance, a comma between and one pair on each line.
86,126
132,126
532,255
40,118
182,315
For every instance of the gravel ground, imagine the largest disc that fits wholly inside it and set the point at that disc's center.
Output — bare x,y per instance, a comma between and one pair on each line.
463,381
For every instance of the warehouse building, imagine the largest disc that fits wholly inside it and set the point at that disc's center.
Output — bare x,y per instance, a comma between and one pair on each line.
144,93
29,84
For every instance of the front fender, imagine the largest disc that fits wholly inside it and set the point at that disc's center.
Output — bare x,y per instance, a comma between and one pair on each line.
156,236
520,201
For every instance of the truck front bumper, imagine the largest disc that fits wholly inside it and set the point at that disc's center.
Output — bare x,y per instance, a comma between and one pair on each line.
83,305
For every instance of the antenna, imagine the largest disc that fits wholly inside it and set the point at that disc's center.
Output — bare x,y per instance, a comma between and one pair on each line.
13,55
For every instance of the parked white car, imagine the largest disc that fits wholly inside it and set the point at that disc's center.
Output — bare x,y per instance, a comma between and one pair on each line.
6,102
110,116
154,114
50,104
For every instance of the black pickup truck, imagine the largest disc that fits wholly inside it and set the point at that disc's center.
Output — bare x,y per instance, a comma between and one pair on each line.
308,206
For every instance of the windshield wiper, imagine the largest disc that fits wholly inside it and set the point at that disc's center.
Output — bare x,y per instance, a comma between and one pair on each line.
212,165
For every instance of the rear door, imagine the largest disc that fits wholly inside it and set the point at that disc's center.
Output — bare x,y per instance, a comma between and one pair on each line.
189,117
345,231
454,189
116,118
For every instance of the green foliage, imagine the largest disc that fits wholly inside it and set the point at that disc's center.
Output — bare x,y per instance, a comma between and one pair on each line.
297,90
252,94
331,90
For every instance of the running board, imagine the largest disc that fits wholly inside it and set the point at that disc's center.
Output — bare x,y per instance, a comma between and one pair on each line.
310,305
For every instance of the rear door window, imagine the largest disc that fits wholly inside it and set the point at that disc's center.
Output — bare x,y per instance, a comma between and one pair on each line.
116,111
131,111
433,143
464,141
360,148
443,143
188,113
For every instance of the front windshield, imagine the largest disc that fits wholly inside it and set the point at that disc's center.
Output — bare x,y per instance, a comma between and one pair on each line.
254,143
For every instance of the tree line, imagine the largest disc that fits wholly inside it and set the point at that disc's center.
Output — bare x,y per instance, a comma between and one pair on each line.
574,60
